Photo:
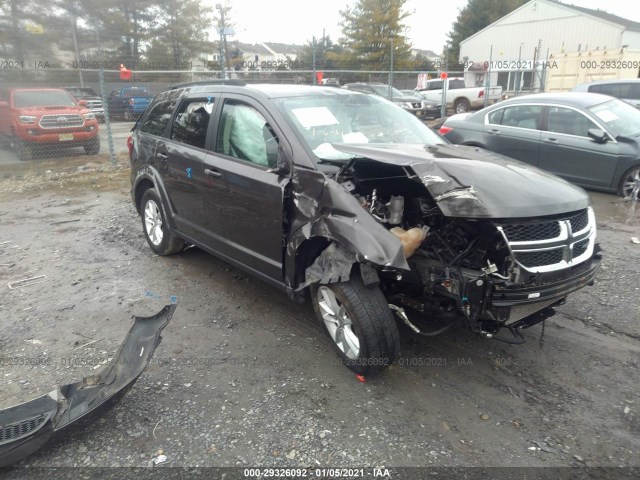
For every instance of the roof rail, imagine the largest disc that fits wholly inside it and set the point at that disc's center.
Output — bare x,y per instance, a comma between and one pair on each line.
232,81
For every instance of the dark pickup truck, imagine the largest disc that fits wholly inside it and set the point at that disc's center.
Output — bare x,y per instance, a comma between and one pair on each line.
128,103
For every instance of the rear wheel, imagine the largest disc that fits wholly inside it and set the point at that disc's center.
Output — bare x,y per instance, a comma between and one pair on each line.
159,236
92,147
629,186
358,320
462,105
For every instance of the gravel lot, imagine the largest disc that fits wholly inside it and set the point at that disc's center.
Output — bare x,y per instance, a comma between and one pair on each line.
244,377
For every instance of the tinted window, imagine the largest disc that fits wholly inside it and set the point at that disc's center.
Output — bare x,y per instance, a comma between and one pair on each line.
191,122
158,118
245,134
495,117
453,84
619,90
570,122
437,85
522,116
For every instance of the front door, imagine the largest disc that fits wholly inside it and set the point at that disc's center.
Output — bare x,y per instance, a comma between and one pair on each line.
246,197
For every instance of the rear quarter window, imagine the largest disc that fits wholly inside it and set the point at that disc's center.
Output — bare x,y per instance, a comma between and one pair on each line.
158,118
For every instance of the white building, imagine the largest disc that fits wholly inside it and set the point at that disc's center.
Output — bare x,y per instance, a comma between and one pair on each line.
529,35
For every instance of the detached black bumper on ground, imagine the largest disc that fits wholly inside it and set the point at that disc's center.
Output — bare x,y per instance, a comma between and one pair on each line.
29,426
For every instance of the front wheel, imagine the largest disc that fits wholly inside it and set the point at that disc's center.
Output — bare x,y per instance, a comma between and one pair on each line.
629,186
24,151
156,229
358,320
92,147
462,105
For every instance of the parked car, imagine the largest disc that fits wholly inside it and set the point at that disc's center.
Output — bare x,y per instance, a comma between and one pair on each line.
459,97
410,103
44,117
128,103
343,197
431,109
587,138
627,90
92,99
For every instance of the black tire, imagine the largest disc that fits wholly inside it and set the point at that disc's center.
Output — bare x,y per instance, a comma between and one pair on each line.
461,105
372,323
92,147
23,150
169,243
624,187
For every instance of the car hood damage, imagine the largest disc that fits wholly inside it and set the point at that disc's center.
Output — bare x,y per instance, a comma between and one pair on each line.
27,427
471,182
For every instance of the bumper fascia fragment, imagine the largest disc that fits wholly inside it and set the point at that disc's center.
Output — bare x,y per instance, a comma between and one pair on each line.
27,427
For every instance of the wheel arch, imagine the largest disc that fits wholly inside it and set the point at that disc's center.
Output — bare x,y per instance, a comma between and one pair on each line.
148,178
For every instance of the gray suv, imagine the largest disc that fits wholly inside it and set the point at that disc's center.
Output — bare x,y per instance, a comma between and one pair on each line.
627,90
348,199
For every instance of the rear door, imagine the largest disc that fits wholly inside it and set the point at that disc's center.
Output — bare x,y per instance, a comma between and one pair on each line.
243,200
567,150
182,156
515,131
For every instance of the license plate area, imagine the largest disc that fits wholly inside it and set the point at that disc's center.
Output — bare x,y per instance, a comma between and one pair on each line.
65,137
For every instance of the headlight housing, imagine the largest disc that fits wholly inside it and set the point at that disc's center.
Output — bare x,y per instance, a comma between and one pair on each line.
88,116
404,104
27,119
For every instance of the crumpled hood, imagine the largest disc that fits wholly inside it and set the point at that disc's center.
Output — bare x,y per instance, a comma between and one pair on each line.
475,183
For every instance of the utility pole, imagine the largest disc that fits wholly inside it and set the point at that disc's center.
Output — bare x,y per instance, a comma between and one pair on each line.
223,41
390,94
313,57
74,34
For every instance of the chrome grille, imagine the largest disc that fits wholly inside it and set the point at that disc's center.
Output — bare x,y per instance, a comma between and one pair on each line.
579,222
61,121
532,231
552,244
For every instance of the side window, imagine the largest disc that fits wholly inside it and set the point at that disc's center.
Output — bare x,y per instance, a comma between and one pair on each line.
437,85
191,122
522,116
495,117
158,118
455,84
618,90
245,134
569,122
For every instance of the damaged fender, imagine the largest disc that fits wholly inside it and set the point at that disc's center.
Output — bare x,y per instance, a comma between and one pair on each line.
28,427
325,209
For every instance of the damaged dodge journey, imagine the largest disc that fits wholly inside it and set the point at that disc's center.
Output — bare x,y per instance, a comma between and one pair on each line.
345,198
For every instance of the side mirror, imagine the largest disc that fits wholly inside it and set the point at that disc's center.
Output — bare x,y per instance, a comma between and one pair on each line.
599,136
82,103
283,164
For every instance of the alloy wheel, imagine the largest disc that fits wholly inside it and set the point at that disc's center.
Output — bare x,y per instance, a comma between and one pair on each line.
153,222
338,323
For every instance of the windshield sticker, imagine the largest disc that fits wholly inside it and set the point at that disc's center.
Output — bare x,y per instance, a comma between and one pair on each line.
607,116
315,117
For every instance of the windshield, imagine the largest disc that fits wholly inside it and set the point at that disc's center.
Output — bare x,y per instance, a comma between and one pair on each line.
82,92
383,91
135,92
322,120
619,117
47,98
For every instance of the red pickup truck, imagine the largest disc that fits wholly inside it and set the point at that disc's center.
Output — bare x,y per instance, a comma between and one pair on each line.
45,117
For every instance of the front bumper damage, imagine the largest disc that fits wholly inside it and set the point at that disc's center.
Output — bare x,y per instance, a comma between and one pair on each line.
28,427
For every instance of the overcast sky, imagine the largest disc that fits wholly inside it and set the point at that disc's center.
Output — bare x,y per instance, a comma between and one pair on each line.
295,21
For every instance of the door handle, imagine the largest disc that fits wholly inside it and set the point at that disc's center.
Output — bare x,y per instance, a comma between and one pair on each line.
494,130
212,173
551,140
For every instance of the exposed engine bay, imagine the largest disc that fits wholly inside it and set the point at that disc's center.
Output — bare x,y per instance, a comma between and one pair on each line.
490,273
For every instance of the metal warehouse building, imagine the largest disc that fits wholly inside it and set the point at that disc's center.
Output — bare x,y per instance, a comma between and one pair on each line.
550,40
